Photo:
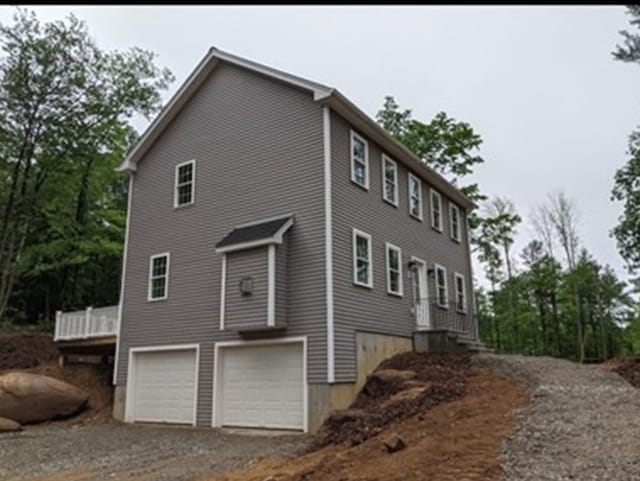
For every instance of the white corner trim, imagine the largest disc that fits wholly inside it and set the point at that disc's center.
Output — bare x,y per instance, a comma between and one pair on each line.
149,283
223,291
358,233
355,136
193,184
415,178
129,415
123,278
216,418
328,245
271,285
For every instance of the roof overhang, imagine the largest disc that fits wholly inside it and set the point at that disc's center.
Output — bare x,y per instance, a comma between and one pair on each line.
272,236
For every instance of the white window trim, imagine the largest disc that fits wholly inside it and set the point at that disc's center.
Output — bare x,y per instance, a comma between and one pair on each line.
438,267
149,280
385,160
456,276
193,184
389,247
358,233
366,160
454,235
419,181
433,219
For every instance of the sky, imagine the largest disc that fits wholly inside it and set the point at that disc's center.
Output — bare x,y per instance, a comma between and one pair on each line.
537,83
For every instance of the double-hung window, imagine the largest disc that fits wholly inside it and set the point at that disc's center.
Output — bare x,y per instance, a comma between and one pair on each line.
436,210
359,161
185,177
389,180
461,294
442,298
394,270
158,277
415,196
362,266
454,221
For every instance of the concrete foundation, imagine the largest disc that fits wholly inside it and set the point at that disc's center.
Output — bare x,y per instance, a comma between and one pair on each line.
372,349
119,400
441,341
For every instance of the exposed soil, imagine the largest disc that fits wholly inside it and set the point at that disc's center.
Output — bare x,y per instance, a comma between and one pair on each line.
23,350
453,441
402,386
35,352
629,369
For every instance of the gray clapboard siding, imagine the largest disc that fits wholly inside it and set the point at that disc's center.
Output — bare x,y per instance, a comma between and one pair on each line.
258,150
244,310
373,310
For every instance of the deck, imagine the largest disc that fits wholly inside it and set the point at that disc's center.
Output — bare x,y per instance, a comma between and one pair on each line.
92,331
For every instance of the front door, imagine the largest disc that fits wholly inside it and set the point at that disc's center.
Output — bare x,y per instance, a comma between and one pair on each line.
420,296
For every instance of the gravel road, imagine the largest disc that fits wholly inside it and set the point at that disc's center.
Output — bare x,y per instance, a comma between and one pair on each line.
583,423
132,452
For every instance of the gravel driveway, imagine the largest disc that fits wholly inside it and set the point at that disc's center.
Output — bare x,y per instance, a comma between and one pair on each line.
583,423
135,453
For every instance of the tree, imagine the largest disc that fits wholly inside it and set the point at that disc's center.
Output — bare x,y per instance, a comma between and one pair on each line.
626,188
64,108
448,146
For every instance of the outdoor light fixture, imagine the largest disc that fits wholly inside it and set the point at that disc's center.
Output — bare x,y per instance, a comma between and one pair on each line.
246,286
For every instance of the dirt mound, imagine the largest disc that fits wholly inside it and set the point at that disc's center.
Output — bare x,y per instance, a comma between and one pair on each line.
23,350
629,369
458,440
94,379
402,386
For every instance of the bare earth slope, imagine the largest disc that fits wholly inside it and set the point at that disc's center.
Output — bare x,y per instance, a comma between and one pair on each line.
583,422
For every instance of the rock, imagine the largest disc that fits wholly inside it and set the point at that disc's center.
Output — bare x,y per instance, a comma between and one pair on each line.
394,443
393,375
405,395
9,425
345,415
28,398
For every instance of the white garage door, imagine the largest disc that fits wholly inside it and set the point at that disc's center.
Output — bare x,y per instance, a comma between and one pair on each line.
262,386
164,386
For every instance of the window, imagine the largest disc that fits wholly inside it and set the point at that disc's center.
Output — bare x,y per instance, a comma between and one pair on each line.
158,277
362,274
454,222
436,211
415,196
461,295
185,182
359,161
389,180
394,270
441,286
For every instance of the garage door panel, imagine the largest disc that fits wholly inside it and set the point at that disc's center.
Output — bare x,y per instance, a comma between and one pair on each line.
262,386
164,386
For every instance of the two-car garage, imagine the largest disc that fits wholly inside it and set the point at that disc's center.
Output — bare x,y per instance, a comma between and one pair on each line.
256,384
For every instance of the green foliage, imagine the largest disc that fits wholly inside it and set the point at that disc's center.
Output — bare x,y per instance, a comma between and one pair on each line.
65,108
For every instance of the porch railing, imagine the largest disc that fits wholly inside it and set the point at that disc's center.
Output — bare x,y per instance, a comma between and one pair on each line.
447,316
92,322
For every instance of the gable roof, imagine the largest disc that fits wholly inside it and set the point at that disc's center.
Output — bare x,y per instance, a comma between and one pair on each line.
321,93
255,234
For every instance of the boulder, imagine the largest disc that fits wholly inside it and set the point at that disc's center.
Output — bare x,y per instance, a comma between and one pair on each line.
9,425
28,398
393,375
394,443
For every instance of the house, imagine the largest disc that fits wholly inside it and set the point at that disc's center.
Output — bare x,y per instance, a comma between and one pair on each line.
279,245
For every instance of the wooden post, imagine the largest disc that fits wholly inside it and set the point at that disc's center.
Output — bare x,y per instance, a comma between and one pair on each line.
58,328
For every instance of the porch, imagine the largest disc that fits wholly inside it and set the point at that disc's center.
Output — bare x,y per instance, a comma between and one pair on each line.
91,332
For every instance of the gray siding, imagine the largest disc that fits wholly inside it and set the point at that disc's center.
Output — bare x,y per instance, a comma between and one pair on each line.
282,282
373,310
246,309
258,149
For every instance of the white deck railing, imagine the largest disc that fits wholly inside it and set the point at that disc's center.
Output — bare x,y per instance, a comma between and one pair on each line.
92,322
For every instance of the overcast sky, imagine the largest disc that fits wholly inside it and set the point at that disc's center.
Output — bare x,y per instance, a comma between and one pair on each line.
537,83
